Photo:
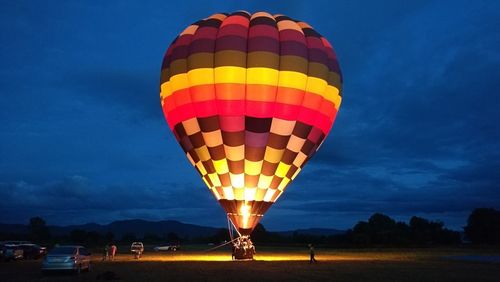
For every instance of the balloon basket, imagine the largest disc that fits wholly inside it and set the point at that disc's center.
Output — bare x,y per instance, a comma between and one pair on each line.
243,248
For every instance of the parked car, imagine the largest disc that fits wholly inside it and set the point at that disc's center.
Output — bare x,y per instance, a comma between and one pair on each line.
137,248
33,251
10,252
15,242
74,258
167,247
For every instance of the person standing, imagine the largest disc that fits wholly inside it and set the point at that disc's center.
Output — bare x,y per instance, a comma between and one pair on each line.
105,255
113,251
311,252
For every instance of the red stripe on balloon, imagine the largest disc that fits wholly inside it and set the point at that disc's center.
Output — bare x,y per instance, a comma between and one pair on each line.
276,110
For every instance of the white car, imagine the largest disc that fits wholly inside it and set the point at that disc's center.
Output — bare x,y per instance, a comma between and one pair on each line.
137,248
163,248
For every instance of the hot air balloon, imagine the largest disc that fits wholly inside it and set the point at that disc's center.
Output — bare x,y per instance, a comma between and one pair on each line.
250,98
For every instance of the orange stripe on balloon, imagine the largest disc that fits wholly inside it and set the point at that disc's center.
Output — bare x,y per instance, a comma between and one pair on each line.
253,100
230,91
202,93
261,92
290,96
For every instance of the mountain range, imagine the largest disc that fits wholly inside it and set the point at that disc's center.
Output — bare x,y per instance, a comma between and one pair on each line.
140,227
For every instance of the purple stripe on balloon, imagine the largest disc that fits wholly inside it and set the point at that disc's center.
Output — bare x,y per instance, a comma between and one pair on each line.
263,30
180,52
317,55
293,48
206,33
292,35
202,45
233,29
256,139
263,44
314,42
232,42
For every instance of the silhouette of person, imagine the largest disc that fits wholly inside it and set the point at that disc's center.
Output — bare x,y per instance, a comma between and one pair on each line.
311,252
105,255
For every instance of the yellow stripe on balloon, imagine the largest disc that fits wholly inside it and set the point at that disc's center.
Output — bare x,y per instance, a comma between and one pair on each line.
201,76
230,74
266,76
166,89
292,79
332,94
316,85
240,75
179,81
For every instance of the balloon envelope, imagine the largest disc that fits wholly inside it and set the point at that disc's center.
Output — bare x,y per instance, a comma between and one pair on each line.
250,98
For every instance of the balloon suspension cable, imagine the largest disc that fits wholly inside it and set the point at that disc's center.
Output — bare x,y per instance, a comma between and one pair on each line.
231,228
221,245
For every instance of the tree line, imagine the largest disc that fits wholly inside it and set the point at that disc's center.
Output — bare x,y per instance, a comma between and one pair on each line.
380,230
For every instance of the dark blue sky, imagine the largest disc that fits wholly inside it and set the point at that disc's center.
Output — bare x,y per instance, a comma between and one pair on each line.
83,138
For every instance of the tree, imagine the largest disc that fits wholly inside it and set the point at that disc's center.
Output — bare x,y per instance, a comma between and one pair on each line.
38,229
78,236
172,237
129,238
260,233
483,226
109,237
151,238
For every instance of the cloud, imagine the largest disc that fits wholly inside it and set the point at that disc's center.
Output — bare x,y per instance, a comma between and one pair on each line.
76,199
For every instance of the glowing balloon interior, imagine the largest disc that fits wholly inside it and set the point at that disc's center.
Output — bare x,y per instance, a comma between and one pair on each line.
250,98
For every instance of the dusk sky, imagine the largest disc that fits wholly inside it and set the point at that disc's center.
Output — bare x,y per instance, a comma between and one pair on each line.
83,137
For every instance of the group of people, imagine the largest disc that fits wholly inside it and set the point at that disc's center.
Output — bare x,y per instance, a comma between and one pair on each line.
109,252
243,248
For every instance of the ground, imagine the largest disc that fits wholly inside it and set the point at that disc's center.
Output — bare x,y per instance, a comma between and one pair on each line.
280,264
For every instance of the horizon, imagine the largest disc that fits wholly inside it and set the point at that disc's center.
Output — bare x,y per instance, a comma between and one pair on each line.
221,227
83,137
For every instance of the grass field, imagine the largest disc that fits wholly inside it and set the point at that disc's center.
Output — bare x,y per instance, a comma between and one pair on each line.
278,264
